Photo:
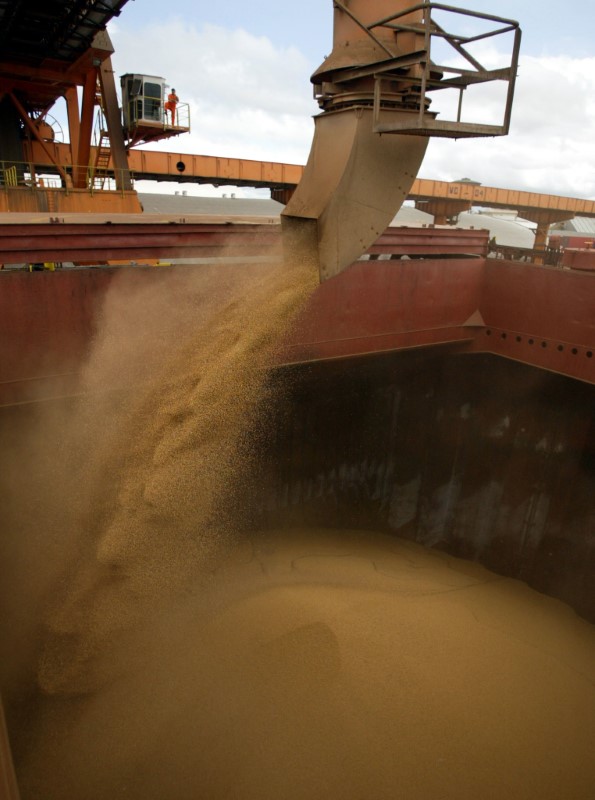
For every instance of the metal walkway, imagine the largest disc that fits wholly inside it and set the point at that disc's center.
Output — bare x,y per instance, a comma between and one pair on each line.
194,168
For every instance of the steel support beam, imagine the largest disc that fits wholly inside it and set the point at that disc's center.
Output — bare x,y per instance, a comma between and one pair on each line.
544,218
74,122
163,237
34,132
107,241
80,171
194,168
443,211
111,110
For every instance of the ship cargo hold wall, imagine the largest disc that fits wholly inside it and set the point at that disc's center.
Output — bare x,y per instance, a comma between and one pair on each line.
484,457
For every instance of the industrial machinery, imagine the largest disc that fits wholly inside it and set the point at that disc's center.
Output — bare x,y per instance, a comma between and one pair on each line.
49,54
370,139
144,110
430,399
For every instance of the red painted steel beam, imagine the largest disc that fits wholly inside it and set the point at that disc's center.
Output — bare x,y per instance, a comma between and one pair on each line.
173,238
540,316
390,305
31,243
432,241
579,259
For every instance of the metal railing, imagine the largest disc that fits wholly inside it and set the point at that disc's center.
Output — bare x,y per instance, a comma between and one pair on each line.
182,116
432,77
28,176
420,74
550,256
148,111
9,176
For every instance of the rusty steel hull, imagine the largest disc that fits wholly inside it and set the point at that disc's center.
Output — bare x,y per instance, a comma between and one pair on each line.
579,259
539,316
481,457
409,409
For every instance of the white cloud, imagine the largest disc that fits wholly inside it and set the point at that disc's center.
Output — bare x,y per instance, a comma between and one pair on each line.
247,98
252,99
549,148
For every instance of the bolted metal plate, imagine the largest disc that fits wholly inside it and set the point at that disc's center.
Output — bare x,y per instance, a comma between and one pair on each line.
354,183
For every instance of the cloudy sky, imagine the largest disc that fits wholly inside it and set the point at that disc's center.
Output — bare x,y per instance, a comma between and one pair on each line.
244,69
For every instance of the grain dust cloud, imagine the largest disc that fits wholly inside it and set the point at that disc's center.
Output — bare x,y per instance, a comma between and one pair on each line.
162,650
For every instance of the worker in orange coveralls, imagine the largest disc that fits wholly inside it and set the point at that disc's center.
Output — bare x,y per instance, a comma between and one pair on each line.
172,101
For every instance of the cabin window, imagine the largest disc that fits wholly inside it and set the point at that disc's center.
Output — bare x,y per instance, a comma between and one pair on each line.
153,101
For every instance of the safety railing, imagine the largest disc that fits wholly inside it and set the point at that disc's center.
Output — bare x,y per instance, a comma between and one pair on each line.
153,112
181,117
550,256
417,70
10,176
27,176
460,78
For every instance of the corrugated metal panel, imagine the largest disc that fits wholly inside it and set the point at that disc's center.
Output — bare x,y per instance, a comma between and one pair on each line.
581,225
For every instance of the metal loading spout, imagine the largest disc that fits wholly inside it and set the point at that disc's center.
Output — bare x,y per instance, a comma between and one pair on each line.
371,137
352,186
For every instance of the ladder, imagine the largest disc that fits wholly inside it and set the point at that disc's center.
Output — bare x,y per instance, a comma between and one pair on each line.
102,159
99,171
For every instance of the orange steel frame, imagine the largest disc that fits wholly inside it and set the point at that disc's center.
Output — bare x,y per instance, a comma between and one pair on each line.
492,197
32,91
190,168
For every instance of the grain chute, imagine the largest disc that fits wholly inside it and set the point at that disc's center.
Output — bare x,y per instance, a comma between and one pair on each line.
372,134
